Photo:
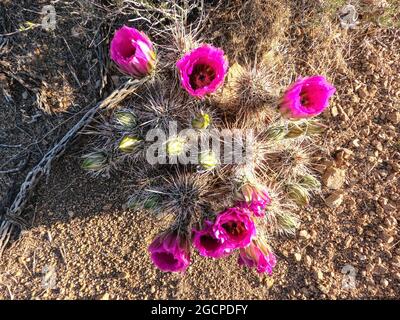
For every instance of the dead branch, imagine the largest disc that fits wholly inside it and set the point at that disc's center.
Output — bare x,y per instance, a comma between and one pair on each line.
8,222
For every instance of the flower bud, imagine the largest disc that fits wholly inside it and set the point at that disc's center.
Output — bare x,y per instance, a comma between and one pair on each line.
94,161
295,130
314,127
128,144
201,121
287,222
276,133
151,202
176,146
125,119
208,160
298,194
310,182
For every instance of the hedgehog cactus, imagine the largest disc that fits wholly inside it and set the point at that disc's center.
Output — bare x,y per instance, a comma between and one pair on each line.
219,207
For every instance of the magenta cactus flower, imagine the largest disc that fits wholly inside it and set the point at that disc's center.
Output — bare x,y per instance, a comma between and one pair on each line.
307,97
202,70
254,198
234,227
258,255
207,243
170,252
133,52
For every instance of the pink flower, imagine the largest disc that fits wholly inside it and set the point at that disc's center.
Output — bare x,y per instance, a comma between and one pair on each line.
307,97
170,252
133,52
254,198
234,227
208,245
258,255
202,70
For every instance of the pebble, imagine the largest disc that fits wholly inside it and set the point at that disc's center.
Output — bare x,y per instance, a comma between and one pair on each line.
304,234
384,283
308,260
319,275
334,178
105,296
380,269
297,257
335,199
379,146
334,111
348,241
356,143
153,289
394,117
362,92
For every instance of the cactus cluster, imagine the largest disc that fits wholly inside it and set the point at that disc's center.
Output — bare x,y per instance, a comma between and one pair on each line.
218,205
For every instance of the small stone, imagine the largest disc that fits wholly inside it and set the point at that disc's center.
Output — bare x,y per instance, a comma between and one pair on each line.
356,142
380,269
297,257
105,296
379,146
25,95
334,178
394,117
71,214
269,282
384,282
153,289
308,260
396,261
362,92
319,275
389,240
304,234
348,241
334,111
335,199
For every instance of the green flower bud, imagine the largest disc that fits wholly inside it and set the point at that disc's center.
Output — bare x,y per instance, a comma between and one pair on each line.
151,202
308,127
94,161
208,160
276,133
125,119
201,121
295,130
298,194
287,222
314,127
175,146
128,144
310,182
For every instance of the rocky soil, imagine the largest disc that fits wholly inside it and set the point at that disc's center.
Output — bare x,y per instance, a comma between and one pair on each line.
79,242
